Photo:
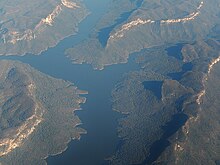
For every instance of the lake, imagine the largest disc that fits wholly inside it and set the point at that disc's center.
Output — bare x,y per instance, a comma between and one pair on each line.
100,122
97,116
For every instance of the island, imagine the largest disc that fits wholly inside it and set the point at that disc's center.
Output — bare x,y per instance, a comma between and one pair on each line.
34,26
37,114
130,26
170,107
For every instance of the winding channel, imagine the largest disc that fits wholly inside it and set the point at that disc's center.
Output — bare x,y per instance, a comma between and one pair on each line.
97,116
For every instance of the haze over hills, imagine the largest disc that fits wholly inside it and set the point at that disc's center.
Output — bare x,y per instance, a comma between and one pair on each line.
33,26
36,116
146,24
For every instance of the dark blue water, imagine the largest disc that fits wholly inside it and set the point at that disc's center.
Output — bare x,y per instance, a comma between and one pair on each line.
177,120
104,34
178,75
169,129
175,51
155,87
97,116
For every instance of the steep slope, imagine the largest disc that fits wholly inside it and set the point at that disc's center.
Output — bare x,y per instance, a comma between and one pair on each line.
36,114
151,24
198,141
33,26
166,109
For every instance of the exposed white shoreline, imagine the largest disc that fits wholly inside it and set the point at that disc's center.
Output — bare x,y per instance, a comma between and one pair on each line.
128,26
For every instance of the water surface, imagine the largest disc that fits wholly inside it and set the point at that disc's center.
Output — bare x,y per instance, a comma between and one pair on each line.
104,34
97,116
170,128
155,87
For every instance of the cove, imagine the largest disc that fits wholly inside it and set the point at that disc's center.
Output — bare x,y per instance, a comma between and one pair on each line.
175,51
170,128
104,33
155,87
97,116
